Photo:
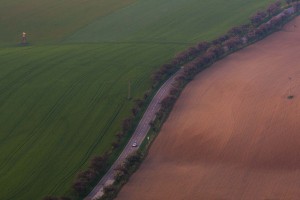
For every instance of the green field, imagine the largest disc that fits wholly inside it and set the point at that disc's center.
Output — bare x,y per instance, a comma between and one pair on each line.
63,98
48,21
59,106
168,21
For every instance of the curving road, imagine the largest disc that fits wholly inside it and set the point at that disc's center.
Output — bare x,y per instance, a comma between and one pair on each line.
138,136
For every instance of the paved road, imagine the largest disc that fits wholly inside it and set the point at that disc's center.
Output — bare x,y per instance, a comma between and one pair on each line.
138,136
141,132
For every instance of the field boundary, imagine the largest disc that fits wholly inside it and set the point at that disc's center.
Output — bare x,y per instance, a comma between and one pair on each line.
138,137
195,59
273,23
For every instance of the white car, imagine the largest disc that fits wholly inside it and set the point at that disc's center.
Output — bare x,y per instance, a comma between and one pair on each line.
134,144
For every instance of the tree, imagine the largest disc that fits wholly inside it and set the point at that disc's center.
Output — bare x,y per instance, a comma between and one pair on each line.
238,31
192,52
274,8
203,46
251,35
80,187
278,3
168,102
220,40
181,58
168,69
233,42
88,175
288,1
98,163
160,114
296,6
190,70
174,91
215,51
199,62
258,18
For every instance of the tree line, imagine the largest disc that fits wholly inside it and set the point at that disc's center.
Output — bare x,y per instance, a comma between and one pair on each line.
195,59
203,54
261,24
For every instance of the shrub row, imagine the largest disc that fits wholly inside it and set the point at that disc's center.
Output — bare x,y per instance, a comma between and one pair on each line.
248,34
87,179
200,57
197,58
122,175
262,24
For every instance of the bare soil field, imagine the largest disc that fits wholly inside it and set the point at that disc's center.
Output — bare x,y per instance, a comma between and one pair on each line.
233,133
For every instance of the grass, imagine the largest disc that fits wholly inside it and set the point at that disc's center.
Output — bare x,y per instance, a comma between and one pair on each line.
168,21
48,21
61,105
63,99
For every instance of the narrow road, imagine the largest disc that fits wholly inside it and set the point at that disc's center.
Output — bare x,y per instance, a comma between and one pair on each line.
138,137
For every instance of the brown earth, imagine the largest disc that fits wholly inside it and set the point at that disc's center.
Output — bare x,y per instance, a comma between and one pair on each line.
233,133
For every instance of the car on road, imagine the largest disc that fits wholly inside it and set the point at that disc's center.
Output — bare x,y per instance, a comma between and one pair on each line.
134,144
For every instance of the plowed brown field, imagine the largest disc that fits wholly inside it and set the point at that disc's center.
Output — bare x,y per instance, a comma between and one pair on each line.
233,133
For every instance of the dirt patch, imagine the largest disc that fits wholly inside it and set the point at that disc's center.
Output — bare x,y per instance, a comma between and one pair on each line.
234,133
